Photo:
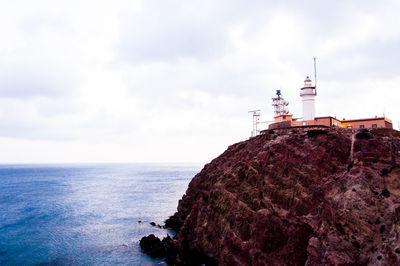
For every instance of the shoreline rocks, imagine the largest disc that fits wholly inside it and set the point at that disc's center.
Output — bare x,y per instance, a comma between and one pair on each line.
155,248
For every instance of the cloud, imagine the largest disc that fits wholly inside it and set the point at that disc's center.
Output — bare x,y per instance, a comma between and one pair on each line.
37,59
169,32
24,79
172,30
173,80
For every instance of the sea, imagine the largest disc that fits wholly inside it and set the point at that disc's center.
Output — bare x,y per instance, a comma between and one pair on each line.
79,214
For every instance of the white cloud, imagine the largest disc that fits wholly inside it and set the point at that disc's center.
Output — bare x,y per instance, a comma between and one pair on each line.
98,81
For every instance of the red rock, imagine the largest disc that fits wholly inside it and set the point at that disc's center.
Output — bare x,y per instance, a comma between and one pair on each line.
295,198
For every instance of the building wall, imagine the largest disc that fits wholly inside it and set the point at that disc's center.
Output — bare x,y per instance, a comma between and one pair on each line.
367,123
320,121
388,124
281,118
378,122
283,124
308,98
325,121
308,107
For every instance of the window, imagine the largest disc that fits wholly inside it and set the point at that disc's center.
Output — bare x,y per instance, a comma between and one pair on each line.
349,126
374,125
362,126
284,117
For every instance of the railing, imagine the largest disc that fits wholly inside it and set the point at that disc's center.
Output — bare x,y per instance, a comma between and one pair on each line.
312,93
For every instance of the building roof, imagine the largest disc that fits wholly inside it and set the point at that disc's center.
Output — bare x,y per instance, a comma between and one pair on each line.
366,119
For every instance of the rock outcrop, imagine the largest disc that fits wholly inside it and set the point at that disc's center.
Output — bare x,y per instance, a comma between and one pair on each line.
295,197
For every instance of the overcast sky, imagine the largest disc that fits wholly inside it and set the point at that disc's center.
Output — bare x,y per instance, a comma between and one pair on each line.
172,81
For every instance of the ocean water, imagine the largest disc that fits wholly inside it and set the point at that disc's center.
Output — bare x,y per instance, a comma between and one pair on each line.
85,214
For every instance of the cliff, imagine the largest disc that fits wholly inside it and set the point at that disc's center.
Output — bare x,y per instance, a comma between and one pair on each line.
295,197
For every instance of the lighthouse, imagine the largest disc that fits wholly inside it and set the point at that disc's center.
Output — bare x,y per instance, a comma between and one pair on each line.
308,94
284,120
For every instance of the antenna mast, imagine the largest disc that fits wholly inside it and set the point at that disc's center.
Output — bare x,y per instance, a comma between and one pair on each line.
315,74
279,104
256,117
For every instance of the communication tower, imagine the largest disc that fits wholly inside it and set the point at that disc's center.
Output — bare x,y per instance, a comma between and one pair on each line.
279,104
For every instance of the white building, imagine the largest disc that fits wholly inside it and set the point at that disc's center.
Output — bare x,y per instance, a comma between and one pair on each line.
308,94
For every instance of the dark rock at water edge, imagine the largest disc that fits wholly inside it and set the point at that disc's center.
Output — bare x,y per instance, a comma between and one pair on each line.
155,248
156,225
152,246
173,223
294,198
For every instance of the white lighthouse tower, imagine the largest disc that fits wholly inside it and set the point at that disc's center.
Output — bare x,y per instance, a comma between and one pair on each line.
308,94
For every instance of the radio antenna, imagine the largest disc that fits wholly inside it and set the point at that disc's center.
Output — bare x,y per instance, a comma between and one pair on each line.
315,74
256,118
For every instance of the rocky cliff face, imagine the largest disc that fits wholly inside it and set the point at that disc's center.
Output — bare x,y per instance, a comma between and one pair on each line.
295,197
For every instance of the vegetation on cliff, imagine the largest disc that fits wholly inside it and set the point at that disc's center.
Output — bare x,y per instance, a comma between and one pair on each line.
294,197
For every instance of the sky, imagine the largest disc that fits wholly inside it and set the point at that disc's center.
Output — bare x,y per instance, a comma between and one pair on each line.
173,81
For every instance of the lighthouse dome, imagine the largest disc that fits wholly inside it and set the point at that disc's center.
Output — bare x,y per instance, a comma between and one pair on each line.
307,82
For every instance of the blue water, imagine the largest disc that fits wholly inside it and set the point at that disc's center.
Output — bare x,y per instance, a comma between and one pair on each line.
85,214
